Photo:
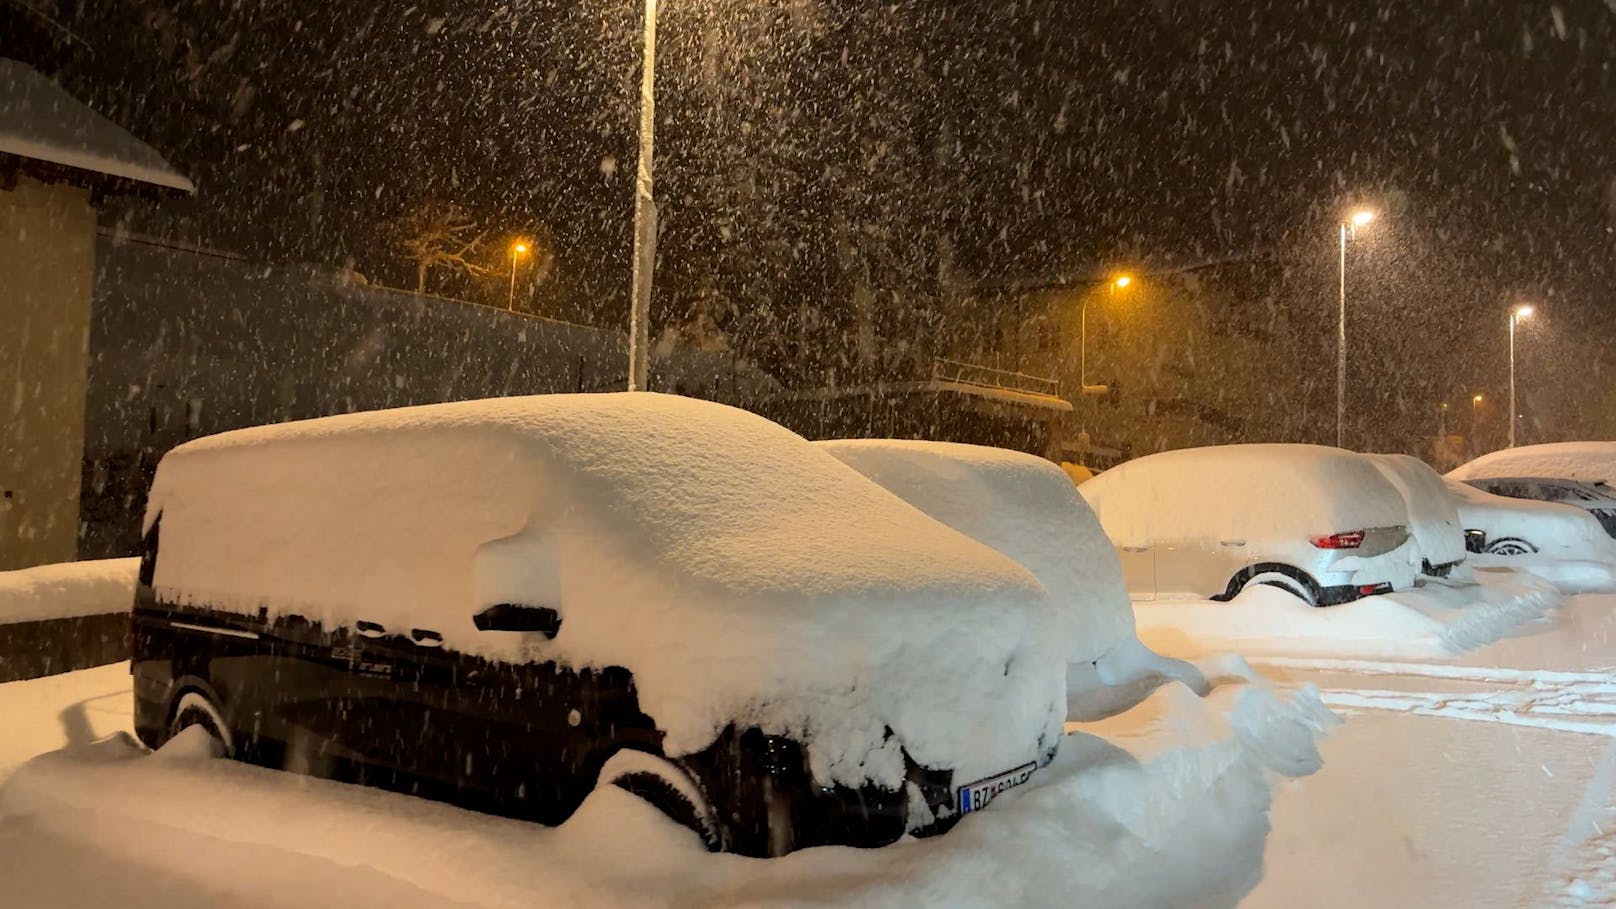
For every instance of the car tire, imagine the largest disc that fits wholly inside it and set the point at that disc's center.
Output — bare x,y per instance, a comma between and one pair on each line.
196,709
1302,588
666,787
1510,546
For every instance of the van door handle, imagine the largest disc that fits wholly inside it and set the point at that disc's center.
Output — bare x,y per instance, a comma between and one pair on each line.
1135,548
369,629
1232,542
424,638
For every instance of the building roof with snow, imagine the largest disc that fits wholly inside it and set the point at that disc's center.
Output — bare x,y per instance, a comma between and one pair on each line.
41,122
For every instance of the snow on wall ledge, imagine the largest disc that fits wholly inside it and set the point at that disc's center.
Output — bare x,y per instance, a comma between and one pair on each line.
736,570
67,590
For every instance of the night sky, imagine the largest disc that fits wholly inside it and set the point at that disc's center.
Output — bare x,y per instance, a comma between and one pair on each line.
809,145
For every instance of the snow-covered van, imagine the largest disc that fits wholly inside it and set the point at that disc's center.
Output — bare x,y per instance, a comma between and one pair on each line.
499,603
1323,523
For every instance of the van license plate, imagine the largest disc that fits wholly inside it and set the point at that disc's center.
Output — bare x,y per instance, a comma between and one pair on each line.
976,796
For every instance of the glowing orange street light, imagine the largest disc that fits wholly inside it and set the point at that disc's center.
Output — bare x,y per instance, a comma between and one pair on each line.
1120,282
517,249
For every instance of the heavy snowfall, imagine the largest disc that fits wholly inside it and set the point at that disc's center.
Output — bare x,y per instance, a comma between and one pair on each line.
525,453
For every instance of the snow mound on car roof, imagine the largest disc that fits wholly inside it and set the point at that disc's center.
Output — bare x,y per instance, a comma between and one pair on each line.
740,573
1026,508
1590,462
67,589
1206,493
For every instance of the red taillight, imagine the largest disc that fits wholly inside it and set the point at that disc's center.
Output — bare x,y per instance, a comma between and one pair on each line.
1351,539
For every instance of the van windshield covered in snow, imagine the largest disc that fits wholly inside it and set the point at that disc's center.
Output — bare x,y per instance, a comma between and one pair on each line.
1101,449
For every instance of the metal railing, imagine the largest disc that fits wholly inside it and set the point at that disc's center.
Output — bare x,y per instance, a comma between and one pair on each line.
977,374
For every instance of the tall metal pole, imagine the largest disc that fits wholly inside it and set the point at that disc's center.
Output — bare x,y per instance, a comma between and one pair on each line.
645,216
1512,320
1083,347
510,303
1341,351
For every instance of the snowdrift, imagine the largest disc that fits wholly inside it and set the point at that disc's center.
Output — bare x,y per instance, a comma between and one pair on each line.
1433,621
1162,806
739,572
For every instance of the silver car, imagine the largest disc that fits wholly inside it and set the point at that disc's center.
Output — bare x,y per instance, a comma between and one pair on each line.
1206,523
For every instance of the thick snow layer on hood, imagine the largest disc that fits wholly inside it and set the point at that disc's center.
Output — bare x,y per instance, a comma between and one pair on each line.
1555,531
1162,806
1433,518
1205,494
739,572
1590,462
68,589
1435,621
1022,506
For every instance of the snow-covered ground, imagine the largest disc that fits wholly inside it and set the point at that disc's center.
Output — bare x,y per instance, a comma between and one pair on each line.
1483,780
1164,805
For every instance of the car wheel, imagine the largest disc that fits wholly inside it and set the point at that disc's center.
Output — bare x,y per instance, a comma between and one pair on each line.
196,709
1303,590
667,788
1510,546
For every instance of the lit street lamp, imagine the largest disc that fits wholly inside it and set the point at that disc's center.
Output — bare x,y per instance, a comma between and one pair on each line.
1120,282
517,249
1520,312
1359,218
645,216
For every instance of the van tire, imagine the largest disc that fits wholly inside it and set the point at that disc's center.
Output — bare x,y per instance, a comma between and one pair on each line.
195,709
666,787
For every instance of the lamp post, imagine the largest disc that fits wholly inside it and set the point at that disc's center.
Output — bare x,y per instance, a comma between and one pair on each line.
1120,282
645,215
518,248
1357,219
1475,420
1520,312
1442,421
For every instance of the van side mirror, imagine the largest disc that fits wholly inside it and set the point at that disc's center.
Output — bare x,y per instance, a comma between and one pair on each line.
517,617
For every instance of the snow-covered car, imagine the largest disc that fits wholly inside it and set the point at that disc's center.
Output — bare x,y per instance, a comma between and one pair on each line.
1596,498
502,603
1589,462
1498,525
1433,518
1324,524
1027,508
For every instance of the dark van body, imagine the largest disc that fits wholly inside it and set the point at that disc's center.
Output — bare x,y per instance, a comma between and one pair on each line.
393,708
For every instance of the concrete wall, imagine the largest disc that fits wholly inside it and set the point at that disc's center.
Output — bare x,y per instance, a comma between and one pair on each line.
186,343
47,260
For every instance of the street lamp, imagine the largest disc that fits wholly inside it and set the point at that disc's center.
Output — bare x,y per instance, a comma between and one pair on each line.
1521,311
1358,218
517,249
1120,282
1475,419
645,216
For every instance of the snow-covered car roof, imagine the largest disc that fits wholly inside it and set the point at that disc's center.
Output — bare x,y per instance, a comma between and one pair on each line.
1195,492
1022,506
739,572
1591,462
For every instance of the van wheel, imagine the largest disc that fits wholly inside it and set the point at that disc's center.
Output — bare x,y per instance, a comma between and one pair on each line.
195,709
1303,588
667,788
